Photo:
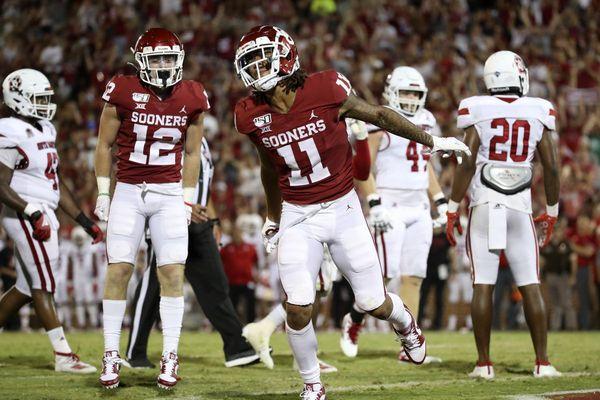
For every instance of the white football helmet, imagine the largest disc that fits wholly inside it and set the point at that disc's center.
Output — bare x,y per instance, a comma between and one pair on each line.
405,79
504,71
28,93
78,236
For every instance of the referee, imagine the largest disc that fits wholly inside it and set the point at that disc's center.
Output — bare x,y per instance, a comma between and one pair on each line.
204,271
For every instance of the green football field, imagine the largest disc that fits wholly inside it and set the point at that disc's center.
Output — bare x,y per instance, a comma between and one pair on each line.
26,372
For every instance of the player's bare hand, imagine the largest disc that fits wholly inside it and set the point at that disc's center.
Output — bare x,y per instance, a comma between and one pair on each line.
450,145
102,207
199,214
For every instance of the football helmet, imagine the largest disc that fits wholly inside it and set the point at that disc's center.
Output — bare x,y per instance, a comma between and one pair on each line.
505,71
265,55
405,79
159,54
78,235
28,93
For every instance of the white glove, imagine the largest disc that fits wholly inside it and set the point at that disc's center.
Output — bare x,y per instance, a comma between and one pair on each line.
269,230
442,218
102,207
449,145
358,128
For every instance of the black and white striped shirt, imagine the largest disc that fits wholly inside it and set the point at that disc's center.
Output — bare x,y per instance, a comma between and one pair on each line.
206,174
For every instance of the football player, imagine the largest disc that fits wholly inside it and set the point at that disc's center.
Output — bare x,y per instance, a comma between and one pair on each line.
152,118
81,257
31,190
503,130
297,123
398,197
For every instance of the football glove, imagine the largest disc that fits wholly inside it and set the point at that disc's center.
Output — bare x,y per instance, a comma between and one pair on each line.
453,221
269,230
41,229
357,128
379,217
449,145
442,218
102,207
547,227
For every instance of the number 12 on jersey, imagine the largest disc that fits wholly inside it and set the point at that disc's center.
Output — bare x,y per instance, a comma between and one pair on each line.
160,151
319,171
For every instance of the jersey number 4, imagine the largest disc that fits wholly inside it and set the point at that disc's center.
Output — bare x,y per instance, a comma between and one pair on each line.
512,134
413,154
319,171
51,168
160,151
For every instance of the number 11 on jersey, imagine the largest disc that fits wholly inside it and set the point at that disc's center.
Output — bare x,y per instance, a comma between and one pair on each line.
319,171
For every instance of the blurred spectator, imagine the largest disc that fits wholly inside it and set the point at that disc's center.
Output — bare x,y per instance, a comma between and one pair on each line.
240,262
583,243
506,302
558,263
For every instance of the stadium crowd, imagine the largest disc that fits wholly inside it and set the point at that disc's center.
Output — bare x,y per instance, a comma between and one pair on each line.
80,45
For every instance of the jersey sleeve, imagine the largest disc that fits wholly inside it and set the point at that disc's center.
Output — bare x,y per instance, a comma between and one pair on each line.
241,119
339,87
465,117
200,100
113,94
549,115
10,135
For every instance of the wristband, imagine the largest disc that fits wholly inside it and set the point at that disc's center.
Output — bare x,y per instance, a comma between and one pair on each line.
188,195
453,206
84,221
439,198
552,211
373,200
103,183
30,209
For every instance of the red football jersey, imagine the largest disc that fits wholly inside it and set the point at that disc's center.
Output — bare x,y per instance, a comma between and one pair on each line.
152,132
309,144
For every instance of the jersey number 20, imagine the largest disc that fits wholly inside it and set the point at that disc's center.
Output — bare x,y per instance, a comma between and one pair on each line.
510,133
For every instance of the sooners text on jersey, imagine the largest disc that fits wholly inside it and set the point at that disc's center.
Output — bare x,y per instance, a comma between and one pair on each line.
509,130
35,175
308,145
152,132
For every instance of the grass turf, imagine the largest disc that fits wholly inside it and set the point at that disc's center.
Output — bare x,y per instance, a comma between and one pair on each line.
26,371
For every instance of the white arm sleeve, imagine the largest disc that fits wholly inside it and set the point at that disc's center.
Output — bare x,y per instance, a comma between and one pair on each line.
9,157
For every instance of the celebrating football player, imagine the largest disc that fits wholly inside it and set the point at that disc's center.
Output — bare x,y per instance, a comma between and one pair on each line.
503,131
31,190
296,122
398,199
153,118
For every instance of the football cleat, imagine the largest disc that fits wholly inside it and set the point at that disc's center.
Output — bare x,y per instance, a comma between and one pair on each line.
349,339
138,363
484,370
543,369
258,334
413,341
169,365
241,359
70,362
313,391
111,366
403,358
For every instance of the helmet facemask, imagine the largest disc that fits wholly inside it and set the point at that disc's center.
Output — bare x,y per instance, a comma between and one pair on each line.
397,98
161,66
42,106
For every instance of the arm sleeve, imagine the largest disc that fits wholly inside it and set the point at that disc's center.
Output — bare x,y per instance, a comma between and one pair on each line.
112,91
340,86
201,98
361,162
549,116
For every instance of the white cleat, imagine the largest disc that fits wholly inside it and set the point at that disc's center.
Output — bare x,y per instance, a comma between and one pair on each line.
111,366
543,369
169,366
403,358
70,362
313,391
349,339
413,341
258,334
483,371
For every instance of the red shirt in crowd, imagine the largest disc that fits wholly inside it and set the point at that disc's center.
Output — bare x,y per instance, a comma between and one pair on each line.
584,240
239,260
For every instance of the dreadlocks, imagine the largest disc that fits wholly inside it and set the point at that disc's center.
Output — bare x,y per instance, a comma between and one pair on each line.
289,84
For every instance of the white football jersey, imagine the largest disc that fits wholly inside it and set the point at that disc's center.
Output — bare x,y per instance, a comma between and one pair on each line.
35,176
400,163
509,130
82,260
